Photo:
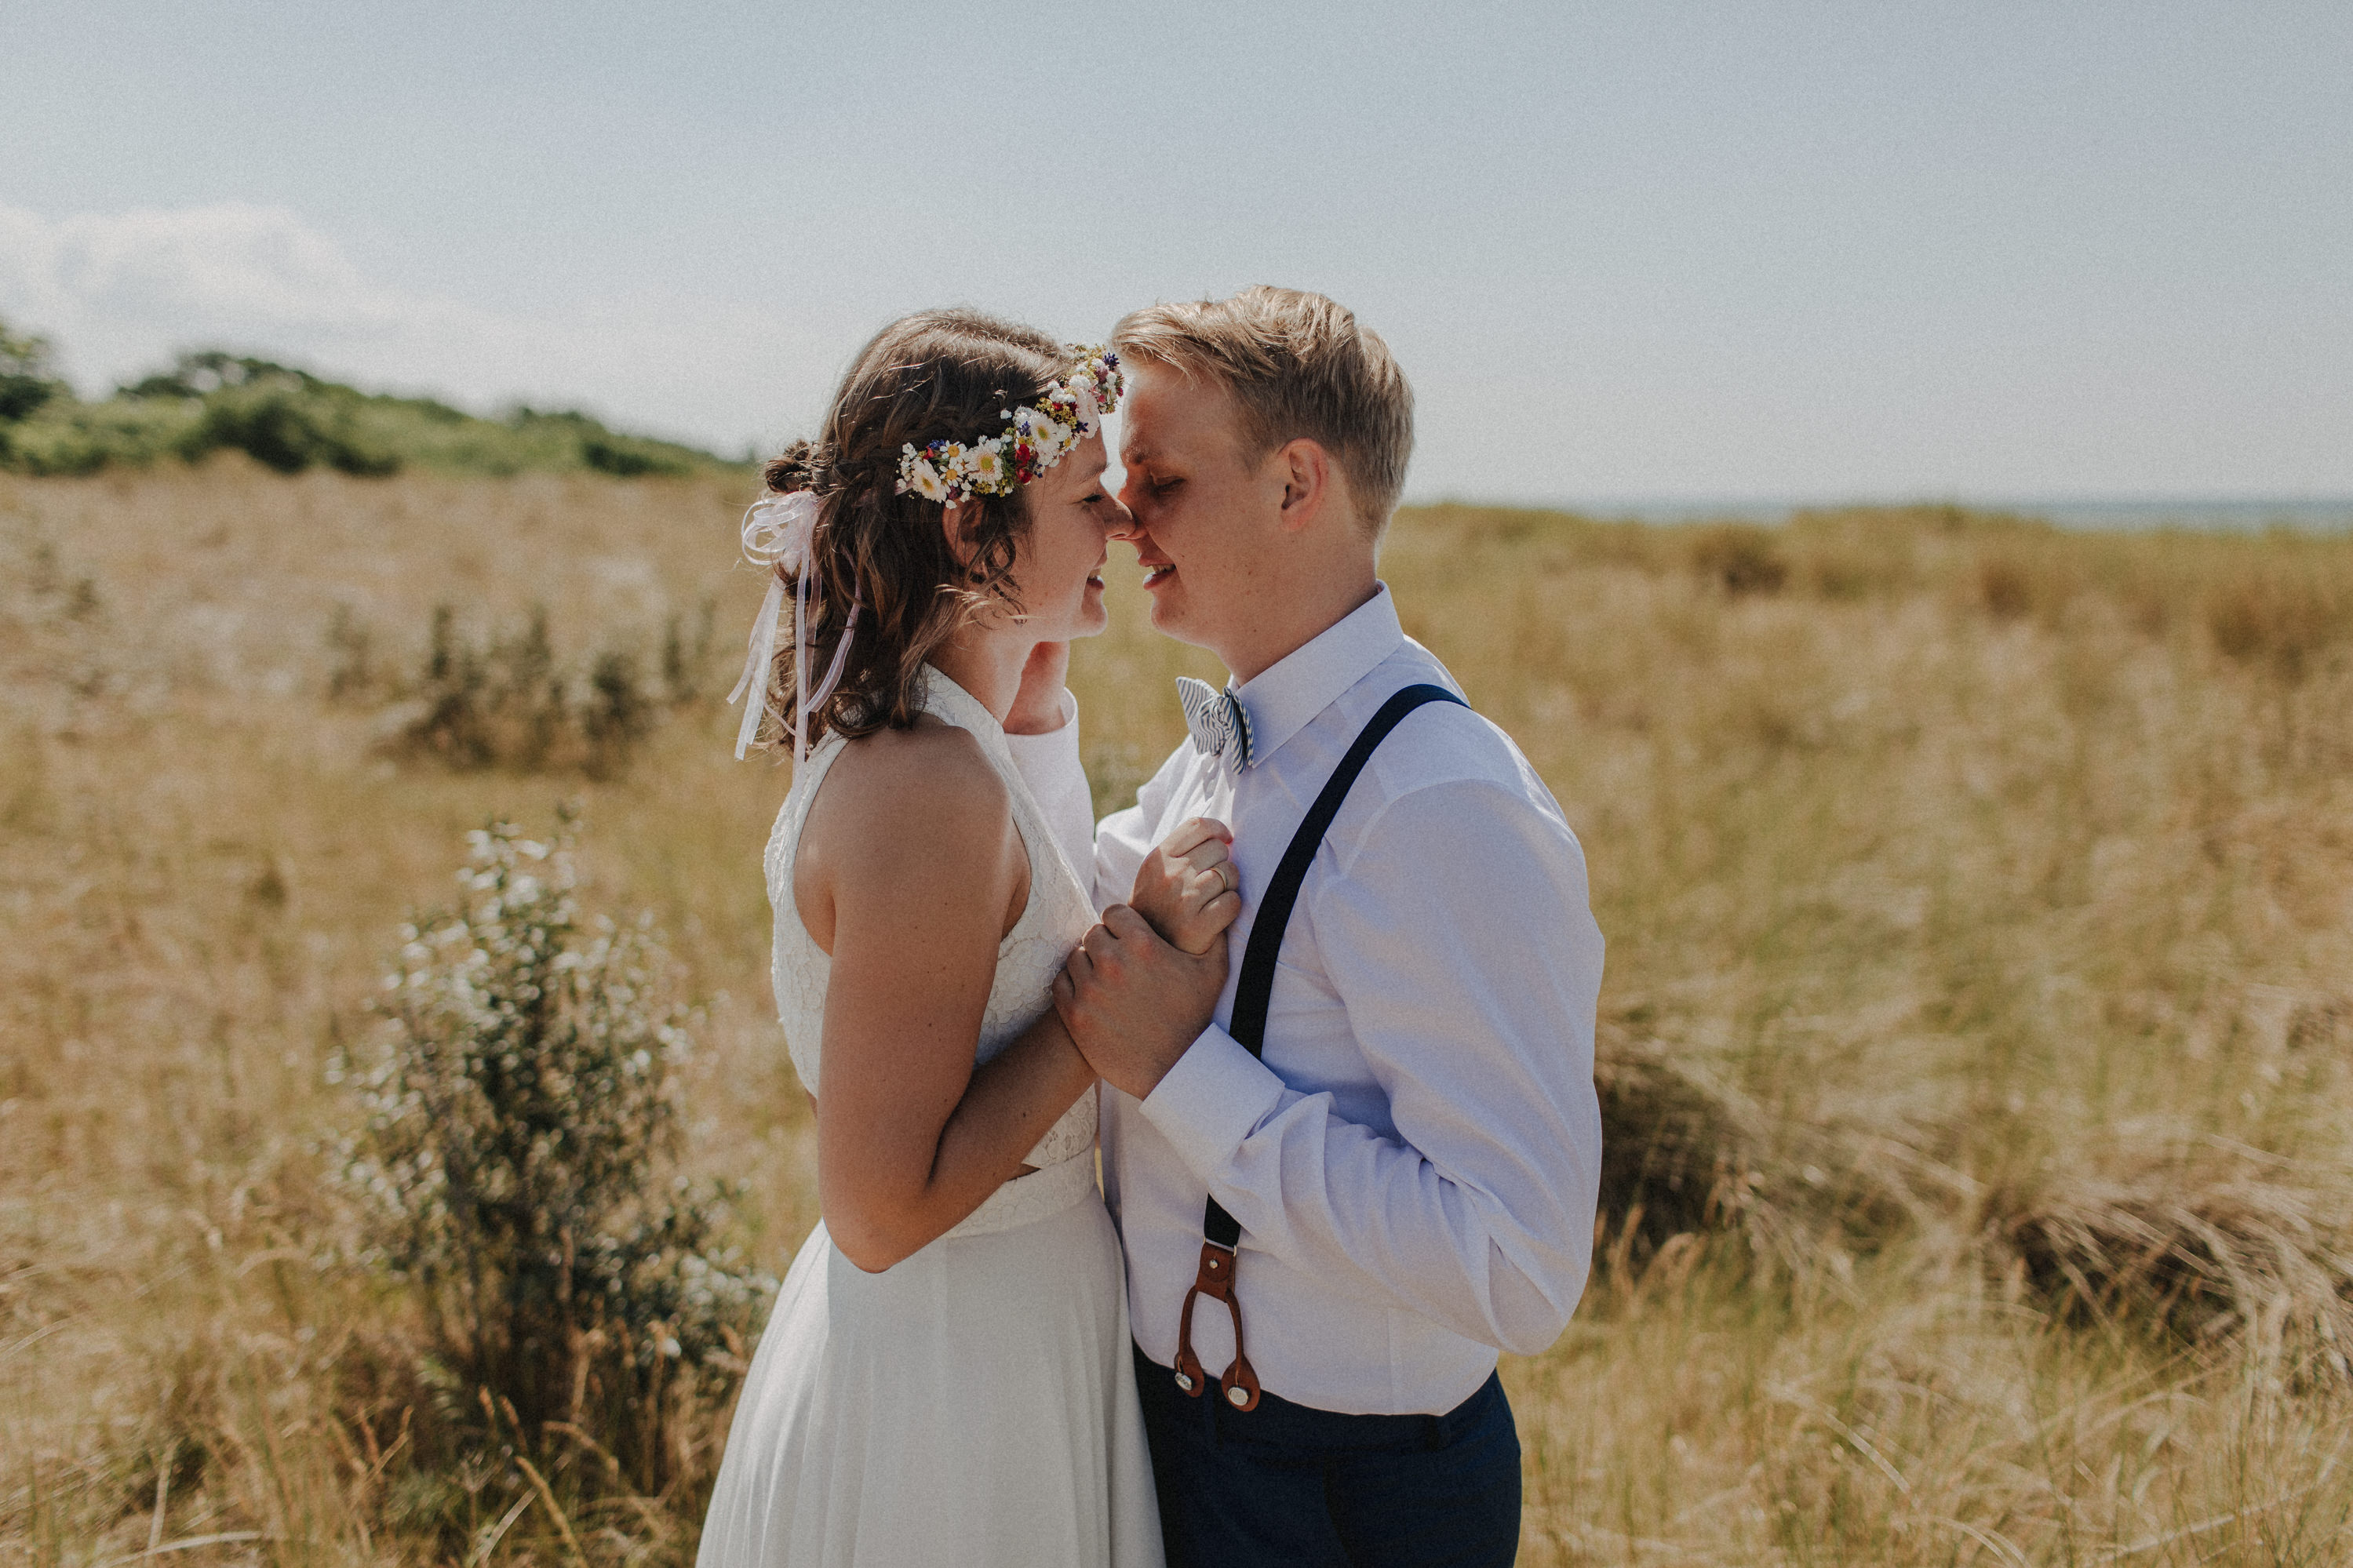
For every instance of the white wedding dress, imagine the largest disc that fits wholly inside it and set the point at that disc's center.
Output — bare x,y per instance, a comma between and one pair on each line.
975,1404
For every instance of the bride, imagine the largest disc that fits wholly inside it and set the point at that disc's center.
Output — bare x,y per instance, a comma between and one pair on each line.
946,1376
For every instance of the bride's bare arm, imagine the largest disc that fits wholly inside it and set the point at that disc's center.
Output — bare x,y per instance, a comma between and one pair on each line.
909,872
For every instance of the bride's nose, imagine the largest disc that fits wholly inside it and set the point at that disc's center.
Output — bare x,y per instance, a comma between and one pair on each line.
1120,523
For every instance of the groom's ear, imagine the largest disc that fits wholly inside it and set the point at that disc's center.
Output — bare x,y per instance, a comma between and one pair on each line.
1305,470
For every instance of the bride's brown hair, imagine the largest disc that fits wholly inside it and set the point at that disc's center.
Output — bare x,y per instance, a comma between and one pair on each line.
935,375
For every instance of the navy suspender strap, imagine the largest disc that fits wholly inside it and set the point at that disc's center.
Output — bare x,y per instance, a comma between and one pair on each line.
1219,1230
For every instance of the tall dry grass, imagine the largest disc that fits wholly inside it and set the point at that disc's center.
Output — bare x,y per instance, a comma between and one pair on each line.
1995,887
1977,1029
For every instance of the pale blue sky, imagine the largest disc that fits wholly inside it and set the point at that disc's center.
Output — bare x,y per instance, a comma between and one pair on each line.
1763,249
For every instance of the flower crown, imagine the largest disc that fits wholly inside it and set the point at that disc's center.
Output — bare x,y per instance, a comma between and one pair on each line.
1036,435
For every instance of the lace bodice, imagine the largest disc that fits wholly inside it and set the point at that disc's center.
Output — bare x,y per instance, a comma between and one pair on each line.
1057,915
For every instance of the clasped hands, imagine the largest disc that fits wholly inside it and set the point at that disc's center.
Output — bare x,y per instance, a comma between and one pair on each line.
1142,984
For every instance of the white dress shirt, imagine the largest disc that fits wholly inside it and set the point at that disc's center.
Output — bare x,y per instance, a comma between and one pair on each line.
1416,1161
1050,764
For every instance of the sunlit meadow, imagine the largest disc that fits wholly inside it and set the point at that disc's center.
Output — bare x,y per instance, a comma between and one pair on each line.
1977,1031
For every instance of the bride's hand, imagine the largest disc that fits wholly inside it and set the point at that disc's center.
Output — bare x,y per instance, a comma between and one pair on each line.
1187,888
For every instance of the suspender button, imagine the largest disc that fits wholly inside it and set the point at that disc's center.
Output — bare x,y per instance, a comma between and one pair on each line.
1238,1396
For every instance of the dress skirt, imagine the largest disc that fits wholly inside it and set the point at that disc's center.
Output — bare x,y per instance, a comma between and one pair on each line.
973,1404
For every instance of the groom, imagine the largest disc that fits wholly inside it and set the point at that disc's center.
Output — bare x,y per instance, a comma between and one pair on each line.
1327,1242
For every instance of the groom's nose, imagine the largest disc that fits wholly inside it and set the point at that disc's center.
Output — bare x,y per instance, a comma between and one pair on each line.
1132,495
1123,522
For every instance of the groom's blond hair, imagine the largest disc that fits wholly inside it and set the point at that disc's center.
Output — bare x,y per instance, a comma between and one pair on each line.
1296,364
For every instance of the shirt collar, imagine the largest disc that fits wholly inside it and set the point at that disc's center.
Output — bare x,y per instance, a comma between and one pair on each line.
1281,698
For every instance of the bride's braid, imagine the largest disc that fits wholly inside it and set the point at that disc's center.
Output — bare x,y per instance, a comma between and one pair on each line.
935,375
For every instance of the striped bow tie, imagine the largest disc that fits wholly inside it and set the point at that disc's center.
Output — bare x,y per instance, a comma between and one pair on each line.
1219,725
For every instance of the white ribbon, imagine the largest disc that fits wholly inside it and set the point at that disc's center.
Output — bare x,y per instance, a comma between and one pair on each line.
778,530
757,662
776,534
813,700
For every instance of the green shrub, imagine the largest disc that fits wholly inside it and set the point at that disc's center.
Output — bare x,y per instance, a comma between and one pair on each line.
71,438
618,714
27,376
682,661
1741,557
515,1170
629,458
286,425
290,420
2277,620
506,703
2006,588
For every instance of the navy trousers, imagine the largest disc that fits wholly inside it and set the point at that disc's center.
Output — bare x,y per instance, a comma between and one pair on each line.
1308,1489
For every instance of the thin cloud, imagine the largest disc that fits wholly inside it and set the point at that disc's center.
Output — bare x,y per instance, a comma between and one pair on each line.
119,293
119,289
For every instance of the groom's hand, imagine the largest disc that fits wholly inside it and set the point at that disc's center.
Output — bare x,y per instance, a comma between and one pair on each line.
1038,702
1133,1003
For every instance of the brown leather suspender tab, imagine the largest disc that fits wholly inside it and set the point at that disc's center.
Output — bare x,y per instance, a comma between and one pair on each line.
1215,1278
1221,1233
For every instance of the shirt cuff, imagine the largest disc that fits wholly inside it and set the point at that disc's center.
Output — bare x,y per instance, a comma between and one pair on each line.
1212,1099
1066,705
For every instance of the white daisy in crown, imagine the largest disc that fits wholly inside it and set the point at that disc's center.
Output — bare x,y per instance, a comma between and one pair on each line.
919,472
987,467
1036,435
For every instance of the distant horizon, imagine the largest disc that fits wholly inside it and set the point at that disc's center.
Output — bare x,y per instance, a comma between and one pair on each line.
1926,497
1621,250
2317,511
2331,510
2313,513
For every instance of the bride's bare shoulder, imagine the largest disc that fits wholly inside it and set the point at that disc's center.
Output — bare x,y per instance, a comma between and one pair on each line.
932,783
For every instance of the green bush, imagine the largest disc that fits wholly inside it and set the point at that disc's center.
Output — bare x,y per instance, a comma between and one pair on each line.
504,702
66,437
1741,557
26,376
290,420
629,458
618,712
515,1170
285,425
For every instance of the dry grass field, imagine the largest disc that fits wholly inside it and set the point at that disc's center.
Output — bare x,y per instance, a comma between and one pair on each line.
1977,1032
